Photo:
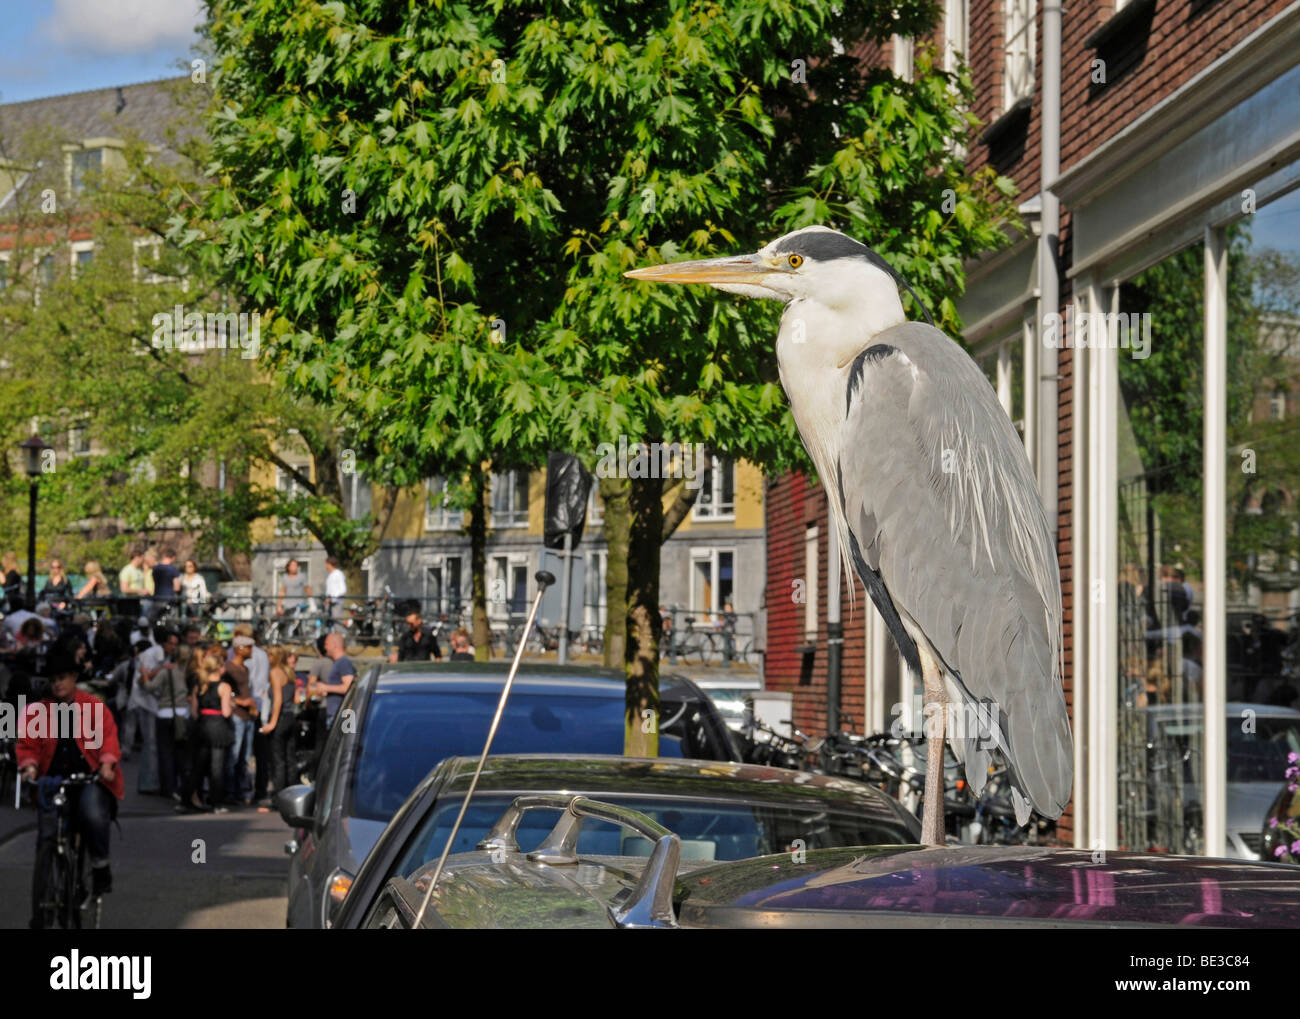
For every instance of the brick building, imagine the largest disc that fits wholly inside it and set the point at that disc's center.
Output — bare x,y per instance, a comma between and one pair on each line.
1161,175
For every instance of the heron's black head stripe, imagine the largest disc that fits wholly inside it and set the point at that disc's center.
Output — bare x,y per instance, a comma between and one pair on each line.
826,246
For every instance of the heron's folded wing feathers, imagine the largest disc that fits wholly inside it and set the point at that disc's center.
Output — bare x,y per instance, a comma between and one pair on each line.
939,493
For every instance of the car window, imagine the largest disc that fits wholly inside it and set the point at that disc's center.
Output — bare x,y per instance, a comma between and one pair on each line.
405,734
709,829
327,774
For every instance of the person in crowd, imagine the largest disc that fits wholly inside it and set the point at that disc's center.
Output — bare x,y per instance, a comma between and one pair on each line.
166,582
239,785
418,643
279,727
142,711
259,685
336,591
194,590
146,603
130,579
96,585
212,706
45,613
461,650
294,589
192,635
57,754
13,583
58,588
170,688
341,675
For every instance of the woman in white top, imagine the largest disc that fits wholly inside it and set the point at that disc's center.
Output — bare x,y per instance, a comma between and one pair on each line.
194,589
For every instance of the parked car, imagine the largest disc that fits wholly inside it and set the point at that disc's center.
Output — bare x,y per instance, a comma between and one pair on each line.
720,812
556,887
400,720
1284,811
728,695
1257,759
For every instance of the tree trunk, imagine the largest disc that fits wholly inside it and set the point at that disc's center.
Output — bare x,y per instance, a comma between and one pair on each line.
614,496
482,635
645,504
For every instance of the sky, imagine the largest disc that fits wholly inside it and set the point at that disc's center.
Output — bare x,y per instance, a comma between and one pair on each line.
50,47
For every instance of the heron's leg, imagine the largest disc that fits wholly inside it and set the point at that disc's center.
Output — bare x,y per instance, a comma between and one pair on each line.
936,700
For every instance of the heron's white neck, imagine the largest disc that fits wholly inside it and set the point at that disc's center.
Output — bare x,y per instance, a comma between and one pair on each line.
814,351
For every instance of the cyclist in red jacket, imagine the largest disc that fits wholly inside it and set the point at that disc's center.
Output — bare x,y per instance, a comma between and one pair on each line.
67,733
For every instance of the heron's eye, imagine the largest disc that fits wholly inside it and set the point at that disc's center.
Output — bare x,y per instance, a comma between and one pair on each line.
795,261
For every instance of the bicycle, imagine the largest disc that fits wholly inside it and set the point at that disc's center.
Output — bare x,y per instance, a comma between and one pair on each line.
65,893
691,641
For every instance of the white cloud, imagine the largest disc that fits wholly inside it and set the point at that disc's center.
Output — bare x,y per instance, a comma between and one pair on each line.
123,26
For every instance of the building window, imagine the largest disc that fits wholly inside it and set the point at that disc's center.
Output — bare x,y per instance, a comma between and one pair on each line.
810,560
86,166
955,21
442,586
595,508
508,586
356,495
4,272
79,439
1277,405
902,48
717,498
286,525
1018,52
593,607
437,515
713,581
1003,364
46,271
510,499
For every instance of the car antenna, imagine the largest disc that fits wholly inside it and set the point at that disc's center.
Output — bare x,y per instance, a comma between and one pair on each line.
544,580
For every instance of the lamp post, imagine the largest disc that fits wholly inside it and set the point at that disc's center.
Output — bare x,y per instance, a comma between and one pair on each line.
33,453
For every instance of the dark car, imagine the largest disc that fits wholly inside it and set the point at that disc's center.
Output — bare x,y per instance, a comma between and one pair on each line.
555,886
400,720
720,811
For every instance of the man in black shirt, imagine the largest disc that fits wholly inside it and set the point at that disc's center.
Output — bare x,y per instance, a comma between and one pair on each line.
417,644
166,581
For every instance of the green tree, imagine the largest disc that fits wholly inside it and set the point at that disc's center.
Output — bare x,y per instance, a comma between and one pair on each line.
397,182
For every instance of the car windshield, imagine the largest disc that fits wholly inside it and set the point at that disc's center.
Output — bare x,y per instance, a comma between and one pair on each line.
709,829
407,733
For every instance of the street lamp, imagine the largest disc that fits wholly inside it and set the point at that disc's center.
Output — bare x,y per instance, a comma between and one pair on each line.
33,453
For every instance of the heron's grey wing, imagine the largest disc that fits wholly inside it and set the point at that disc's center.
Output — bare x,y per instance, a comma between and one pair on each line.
939,495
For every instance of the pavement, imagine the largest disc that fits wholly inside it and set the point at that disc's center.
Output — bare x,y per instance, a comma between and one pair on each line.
170,871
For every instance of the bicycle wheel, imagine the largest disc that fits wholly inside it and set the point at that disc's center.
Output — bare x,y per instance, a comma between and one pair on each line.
51,882
60,889
710,650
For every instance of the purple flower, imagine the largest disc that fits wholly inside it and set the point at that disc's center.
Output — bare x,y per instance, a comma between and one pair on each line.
1292,757
1279,851
1295,846
1272,822
1291,788
1292,772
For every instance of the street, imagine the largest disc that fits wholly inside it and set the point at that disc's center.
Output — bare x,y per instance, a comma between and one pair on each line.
169,870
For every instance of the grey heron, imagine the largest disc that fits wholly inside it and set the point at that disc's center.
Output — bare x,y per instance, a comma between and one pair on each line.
934,502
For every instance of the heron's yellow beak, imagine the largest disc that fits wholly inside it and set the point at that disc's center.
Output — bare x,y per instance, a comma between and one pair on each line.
748,269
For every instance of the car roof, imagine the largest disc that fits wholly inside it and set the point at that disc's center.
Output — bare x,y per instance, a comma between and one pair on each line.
473,677
608,775
992,884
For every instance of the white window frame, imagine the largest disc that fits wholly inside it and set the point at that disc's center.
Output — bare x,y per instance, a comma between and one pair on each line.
69,154
76,248
597,565
956,32
703,511
595,508
514,517
1018,53
709,554
903,51
811,564
81,425
155,246
500,610
439,561
281,480
440,518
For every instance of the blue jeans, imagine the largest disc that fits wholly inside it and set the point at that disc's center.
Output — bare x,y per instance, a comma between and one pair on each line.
237,757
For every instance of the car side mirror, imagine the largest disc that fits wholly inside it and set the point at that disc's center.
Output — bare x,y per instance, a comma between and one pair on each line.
297,805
